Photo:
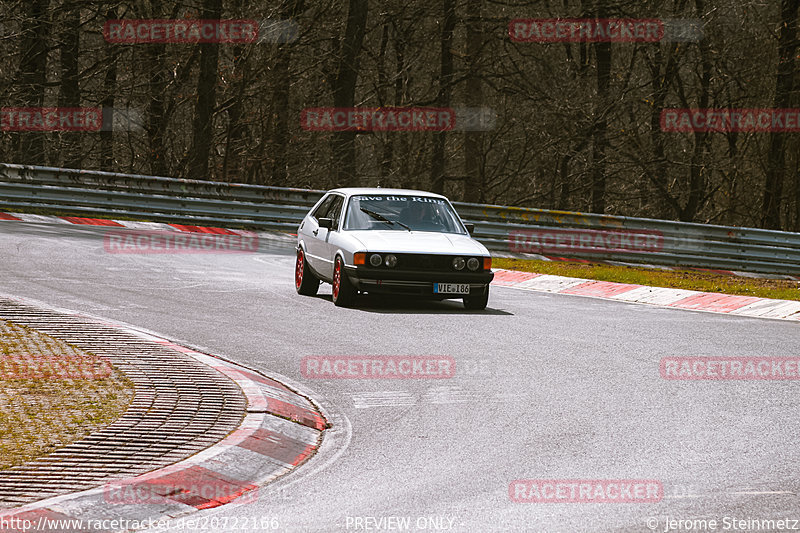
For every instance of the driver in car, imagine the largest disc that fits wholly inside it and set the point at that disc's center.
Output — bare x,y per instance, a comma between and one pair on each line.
420,216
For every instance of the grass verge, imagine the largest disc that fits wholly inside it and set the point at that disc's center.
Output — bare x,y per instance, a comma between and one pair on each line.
52,394
676,279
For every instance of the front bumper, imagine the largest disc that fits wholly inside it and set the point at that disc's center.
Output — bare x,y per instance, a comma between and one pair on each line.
414,283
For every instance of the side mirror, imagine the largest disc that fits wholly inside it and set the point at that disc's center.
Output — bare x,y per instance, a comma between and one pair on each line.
470,228
326,223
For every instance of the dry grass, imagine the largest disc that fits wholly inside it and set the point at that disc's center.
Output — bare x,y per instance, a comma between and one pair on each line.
677,279
52,394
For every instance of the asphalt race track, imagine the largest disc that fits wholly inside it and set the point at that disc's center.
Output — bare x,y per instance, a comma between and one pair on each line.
547,386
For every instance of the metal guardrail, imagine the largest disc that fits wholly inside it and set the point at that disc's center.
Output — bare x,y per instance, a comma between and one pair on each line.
500,228
153,197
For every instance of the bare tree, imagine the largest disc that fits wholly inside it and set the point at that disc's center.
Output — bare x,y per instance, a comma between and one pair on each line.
344,88
443,99
31,76
206,98
473,140
784,86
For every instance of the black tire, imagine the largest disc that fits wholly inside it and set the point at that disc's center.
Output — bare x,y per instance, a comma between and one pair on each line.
477,301
344,294
305,282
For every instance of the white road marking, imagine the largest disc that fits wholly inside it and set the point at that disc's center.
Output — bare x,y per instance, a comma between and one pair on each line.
762,492
436,395
366,400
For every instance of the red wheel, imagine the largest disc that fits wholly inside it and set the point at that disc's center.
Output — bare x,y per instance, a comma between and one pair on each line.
298,269
337,278
343,291
305,282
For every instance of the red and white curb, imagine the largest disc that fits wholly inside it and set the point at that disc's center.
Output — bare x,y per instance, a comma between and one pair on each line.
675,298
269,237
280,431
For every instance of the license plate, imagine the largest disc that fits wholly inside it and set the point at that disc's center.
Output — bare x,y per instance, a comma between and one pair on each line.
451,288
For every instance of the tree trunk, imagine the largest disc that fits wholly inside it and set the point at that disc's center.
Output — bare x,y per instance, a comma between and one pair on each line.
387,156
784,84
445,92
31,78
344,89
280,135
603,56
697,170
109,88
408,179
662,70
473,140
796,197
156,123
69,94
206,98
232,164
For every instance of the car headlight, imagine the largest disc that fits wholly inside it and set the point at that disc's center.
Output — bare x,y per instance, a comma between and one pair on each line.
473,263
458,263
390,261
375,260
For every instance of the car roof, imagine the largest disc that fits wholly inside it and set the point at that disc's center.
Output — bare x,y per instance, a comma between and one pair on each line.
352,191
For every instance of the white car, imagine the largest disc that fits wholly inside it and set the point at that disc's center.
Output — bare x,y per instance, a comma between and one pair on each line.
393,241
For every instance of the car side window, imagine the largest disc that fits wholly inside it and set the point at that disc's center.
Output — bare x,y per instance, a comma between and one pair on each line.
322,209
335,210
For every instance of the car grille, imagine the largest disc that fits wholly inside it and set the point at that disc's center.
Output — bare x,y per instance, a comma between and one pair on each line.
430,263
424,262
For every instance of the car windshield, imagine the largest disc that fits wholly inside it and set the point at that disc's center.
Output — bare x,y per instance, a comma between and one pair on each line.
401,213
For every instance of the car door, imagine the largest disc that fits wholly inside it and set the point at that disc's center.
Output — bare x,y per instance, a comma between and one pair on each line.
328,243
313,236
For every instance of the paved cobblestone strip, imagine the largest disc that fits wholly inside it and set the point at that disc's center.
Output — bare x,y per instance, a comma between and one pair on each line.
280,431
181,406
263,394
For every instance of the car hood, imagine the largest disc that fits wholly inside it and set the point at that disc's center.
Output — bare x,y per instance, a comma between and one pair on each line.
425,242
